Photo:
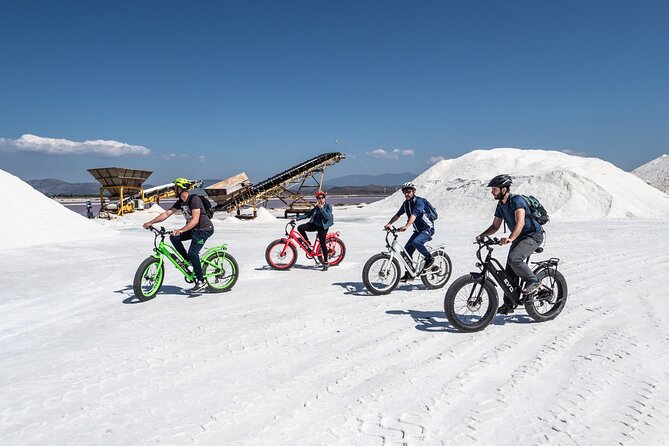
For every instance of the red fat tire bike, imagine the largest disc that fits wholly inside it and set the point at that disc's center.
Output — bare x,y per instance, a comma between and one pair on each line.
281,254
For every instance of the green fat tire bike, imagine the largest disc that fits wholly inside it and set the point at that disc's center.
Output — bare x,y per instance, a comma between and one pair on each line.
219,268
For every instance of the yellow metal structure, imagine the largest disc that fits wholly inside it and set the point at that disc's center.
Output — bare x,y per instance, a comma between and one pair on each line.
122,184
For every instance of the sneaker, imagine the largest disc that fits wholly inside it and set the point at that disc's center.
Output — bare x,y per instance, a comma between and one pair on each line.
505,309
428,264
325,267
406,277
531,288
200,285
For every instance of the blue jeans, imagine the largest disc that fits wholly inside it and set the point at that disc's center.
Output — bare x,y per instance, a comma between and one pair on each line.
417,242
197,237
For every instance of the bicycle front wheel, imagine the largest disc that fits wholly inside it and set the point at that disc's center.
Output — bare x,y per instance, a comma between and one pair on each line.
380,275
470,305
439,272
278,258
148,278
221,272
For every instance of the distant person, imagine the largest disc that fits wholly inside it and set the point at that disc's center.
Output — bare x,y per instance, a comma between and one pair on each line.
198,227
415,208
320,219
526,236
89,209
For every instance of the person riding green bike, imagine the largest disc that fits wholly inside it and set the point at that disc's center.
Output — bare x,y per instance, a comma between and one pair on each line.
526,236
198,227
415,209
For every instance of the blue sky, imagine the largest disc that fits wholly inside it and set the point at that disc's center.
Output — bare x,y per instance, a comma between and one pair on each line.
209,89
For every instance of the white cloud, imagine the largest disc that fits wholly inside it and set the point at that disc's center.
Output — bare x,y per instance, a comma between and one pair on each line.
58,146
174,156
434,159
202,158
390,155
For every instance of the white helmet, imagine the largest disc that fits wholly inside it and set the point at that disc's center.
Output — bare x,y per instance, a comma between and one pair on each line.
408,185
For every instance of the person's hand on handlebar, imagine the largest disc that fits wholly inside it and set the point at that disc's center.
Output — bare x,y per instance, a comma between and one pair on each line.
146,225
504,241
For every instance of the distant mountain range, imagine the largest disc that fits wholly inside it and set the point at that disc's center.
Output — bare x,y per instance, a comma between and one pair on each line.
386,179
357,184
52,188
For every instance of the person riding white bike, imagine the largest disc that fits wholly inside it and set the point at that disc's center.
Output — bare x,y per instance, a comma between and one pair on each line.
415,208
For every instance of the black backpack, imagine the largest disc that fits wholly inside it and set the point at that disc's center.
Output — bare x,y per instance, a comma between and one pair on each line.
205,203
537,211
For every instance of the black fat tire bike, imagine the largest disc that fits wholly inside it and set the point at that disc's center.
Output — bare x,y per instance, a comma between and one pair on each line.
471,301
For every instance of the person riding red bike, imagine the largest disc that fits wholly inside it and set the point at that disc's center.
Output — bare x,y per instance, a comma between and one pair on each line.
281,254
320,220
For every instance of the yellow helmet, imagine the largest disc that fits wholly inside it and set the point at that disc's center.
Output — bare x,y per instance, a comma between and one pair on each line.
183,183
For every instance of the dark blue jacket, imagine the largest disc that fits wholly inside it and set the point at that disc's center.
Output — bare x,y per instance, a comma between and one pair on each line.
322,217
418,207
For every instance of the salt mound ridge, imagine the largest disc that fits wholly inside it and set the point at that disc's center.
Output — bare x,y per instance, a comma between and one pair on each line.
32,218
655,173
568,186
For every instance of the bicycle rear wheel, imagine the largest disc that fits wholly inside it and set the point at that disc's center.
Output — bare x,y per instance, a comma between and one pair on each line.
221,272
551,299
469,305
148,278
336,251
439,272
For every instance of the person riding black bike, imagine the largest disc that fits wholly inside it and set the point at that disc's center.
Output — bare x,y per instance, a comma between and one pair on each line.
198,227
320,219
415,209
526,236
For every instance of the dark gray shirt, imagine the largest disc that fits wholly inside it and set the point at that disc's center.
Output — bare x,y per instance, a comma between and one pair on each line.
193,201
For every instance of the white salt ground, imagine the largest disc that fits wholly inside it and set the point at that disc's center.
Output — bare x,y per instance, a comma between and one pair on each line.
309,357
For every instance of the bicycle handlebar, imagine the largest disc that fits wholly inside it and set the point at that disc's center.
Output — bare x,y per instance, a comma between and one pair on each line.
290,223
487,241
160,231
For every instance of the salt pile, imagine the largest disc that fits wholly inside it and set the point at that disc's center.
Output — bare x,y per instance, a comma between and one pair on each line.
568,186
32,218
655,173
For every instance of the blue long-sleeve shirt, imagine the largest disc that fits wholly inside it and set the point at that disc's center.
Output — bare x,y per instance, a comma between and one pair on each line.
322,217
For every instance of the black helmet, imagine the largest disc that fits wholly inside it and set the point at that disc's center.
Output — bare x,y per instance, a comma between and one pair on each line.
503,180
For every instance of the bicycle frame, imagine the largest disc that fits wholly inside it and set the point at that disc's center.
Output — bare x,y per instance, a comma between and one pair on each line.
164,250
395,250
493,267
295,238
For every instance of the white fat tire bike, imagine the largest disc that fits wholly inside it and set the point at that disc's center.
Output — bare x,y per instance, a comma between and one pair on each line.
381,273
